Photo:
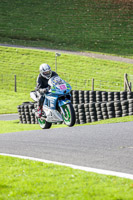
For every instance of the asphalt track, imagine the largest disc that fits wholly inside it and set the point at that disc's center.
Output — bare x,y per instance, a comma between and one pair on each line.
107,147
8,117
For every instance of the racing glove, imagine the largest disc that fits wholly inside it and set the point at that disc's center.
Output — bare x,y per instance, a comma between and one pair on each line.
43,90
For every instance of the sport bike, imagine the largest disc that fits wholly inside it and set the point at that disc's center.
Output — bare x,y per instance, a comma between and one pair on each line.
57,106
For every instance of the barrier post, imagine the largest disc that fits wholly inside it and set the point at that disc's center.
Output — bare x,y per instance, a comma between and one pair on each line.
15,83
93,84
125,85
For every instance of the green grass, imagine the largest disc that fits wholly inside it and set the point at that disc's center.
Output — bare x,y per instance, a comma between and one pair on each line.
9,100
71,25
104,26
77,70
26,180
15,126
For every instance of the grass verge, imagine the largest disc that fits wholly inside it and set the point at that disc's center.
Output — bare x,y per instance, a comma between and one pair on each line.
15,126
26,180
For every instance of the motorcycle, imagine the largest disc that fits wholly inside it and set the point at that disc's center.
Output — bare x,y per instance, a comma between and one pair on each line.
57,106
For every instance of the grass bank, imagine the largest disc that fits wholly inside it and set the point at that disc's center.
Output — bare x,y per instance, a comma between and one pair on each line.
9,100
98,26
74,68
77,70
26,180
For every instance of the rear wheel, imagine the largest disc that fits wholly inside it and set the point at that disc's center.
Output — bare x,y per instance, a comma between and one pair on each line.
69,114
44,124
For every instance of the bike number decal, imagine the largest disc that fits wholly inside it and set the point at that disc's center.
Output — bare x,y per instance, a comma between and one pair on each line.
62,87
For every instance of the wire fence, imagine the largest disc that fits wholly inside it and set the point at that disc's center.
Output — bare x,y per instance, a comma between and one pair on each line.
27,83
19,83
130,78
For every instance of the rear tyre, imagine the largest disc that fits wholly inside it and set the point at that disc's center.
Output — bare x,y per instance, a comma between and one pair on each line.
69,117
44,124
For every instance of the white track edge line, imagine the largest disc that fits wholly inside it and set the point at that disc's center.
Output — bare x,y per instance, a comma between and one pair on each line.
87,169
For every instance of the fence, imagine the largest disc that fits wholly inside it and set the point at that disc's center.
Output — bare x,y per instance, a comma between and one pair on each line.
128,81
17,83
25,83
130,78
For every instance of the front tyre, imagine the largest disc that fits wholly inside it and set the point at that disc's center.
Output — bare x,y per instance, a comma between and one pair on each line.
69,115
44,124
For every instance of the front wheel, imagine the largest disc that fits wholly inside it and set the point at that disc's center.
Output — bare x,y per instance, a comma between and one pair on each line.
44,124
68,115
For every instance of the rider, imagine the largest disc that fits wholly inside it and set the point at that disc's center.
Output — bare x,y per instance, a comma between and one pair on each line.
42,84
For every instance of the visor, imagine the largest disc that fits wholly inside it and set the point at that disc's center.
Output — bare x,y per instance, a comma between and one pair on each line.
47,73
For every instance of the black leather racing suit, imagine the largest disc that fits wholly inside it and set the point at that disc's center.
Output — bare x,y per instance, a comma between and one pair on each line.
42,84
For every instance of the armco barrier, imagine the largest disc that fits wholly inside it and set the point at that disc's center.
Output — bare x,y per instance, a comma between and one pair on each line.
89,106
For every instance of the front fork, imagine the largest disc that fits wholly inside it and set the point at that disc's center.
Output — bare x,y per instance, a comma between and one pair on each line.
61,103
62,110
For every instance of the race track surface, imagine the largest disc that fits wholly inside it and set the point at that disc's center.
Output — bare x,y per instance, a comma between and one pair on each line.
108,146
7,117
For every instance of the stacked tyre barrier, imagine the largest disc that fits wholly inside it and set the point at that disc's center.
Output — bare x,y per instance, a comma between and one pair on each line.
79,96
26,115
89,106
91,112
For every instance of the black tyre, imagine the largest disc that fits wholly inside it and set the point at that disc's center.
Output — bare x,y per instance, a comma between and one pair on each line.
88,120
130,94
98,109
125,107
111,113
86,105
130,113
87,113
99,112
92,109
110,108
118,113
130,110
103,105
44,124
92,113
125,102
111,116
124,115
104,113
77,121
130,101
105,117
125,112
81,106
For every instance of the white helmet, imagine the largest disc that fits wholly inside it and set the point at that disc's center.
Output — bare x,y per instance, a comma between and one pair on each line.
45,70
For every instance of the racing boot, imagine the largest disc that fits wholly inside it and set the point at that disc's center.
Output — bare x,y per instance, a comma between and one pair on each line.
39,112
